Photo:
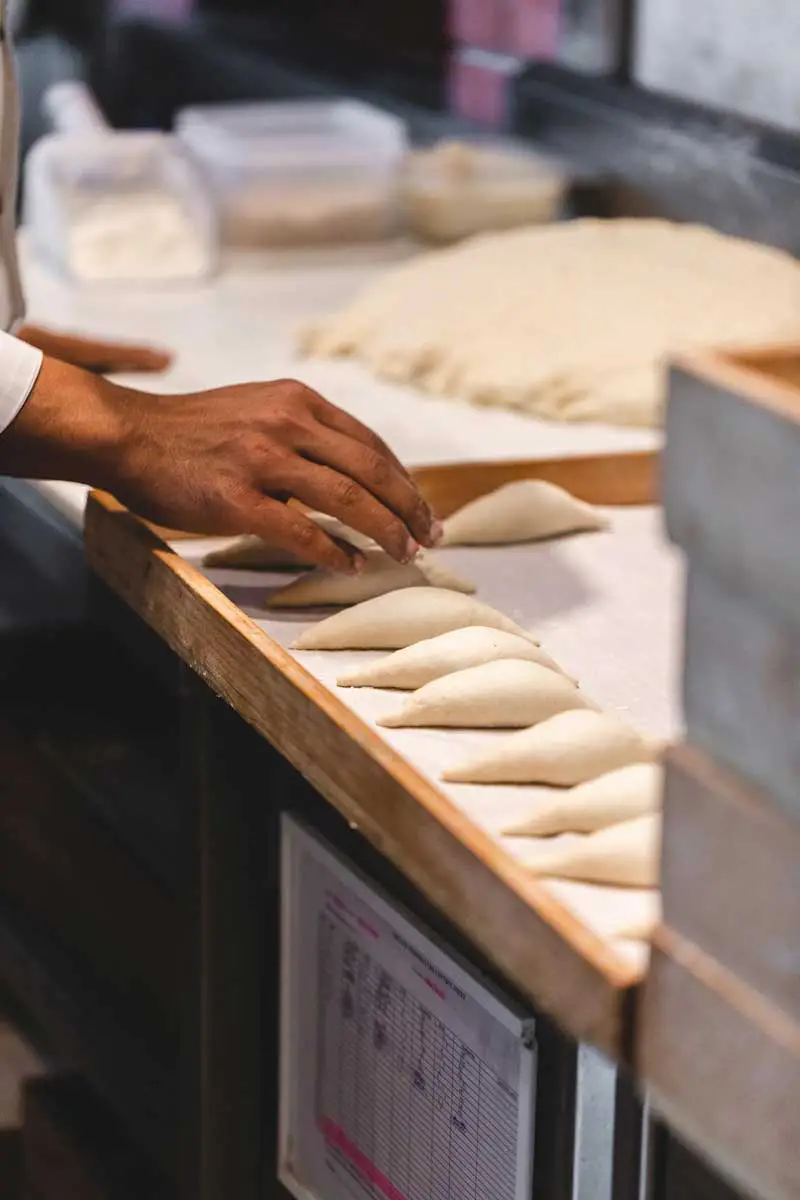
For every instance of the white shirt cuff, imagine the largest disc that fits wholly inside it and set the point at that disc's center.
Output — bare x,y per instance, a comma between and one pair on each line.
20,365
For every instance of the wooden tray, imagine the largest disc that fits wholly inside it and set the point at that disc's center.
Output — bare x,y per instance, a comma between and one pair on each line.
535,942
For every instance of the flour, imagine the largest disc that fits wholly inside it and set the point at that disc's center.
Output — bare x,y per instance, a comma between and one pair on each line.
133,236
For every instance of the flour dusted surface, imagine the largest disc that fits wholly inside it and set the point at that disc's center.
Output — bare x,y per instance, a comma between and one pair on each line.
570,322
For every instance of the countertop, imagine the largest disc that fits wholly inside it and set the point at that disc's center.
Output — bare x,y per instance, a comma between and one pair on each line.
240,327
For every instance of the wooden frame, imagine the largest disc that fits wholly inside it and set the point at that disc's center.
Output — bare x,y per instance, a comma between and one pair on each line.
723,1066
538,945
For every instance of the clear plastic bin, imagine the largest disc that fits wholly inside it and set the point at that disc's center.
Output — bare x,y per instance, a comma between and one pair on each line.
300,173
119,207
453,190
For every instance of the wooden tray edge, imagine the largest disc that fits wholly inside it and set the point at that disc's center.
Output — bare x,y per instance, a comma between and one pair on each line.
137,565
738,370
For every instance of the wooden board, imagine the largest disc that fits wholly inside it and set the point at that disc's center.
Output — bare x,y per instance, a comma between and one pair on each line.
533,940
722,1065
730,874
732,470
741,684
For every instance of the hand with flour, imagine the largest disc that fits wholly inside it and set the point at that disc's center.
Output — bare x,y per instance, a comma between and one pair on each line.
223,462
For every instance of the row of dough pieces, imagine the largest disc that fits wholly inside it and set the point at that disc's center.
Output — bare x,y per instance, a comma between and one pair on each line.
469,666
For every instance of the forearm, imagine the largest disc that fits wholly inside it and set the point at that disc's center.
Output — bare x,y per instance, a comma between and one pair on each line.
71,427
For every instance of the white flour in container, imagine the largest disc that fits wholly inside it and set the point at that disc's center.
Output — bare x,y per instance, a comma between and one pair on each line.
133,236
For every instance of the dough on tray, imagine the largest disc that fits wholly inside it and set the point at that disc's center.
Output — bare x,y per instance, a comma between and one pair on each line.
381,574
570,748
508,694
528,511
250,553
635,952
626,854
399,619
434,658
613,911
608,800
573,321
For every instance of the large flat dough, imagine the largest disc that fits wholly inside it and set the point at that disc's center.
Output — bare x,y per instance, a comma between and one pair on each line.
574,321
508,694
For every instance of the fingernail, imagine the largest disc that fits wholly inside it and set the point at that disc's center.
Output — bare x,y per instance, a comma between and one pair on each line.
437,531
412,550
357,563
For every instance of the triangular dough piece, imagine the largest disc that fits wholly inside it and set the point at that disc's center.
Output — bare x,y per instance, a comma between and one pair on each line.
613,912
608,800
635,952
527,511
250,553
569,749
627,855
509,694
434,658
401,618
380,574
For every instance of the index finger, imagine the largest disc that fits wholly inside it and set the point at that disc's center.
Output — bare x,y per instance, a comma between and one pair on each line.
342,422
339,421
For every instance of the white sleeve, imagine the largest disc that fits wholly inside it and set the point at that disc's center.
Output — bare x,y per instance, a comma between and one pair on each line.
20,365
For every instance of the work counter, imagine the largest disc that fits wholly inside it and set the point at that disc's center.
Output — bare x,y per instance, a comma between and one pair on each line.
265,731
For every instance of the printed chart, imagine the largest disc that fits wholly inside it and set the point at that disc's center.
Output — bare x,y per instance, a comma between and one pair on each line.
404,1078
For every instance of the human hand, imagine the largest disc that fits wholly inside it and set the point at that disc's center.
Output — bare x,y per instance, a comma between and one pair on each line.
99,357
224,462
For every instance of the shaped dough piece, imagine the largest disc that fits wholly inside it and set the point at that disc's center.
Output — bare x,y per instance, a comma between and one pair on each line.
399,619
434,658
381,574
528,511
608,800
250,553
569,749
613,912
627,855
635,952
508,694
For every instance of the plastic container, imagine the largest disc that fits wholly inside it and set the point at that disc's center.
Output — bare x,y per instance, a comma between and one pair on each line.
453,190
299,173
109,206
118,207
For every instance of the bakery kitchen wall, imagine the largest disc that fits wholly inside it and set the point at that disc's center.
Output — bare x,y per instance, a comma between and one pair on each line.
741,55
